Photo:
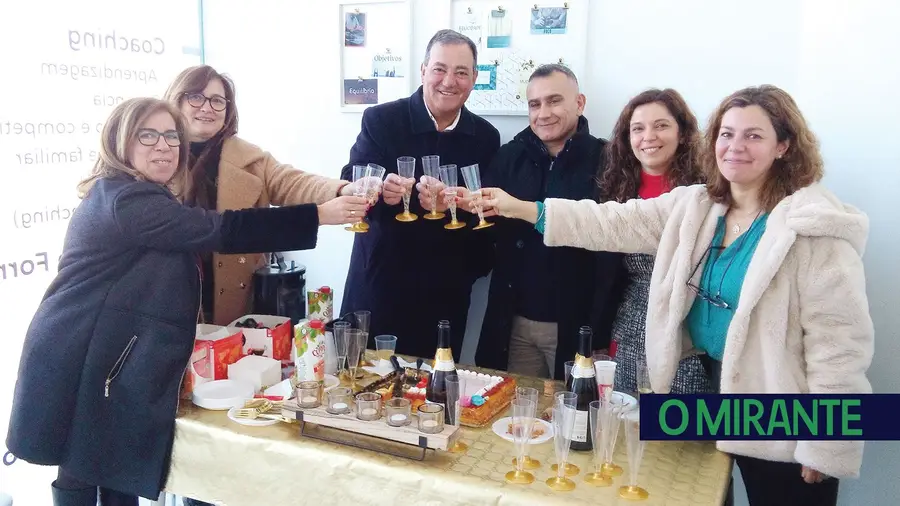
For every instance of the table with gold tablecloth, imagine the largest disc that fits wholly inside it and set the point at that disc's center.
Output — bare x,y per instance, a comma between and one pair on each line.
217,460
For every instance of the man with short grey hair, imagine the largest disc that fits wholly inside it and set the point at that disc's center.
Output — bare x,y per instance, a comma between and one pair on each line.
539,296
411,275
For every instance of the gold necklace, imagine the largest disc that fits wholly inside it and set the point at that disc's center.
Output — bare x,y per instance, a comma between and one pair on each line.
736,227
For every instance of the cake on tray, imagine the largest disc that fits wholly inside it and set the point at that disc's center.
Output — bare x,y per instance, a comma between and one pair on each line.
484,395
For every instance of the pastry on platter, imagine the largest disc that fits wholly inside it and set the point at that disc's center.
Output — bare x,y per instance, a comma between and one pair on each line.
484,397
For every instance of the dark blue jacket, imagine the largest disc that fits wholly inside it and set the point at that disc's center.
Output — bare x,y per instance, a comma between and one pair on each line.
105,353
584,286
411,275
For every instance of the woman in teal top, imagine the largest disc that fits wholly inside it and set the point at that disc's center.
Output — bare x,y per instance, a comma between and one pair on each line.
795,319
719,292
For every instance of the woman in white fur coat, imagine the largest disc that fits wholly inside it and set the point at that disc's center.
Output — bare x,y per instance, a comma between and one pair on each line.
760,270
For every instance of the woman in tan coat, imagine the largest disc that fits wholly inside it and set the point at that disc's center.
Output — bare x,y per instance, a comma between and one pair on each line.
760,270
227,172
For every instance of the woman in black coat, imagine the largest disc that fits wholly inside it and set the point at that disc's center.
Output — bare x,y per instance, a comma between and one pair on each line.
104,356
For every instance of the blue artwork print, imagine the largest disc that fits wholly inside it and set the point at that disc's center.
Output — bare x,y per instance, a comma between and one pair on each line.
499,30
487,77
355,29
548,20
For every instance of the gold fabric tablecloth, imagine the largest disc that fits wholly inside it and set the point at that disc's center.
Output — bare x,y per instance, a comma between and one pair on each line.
217,460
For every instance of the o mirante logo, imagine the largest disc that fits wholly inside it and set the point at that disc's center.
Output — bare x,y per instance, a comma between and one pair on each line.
769,416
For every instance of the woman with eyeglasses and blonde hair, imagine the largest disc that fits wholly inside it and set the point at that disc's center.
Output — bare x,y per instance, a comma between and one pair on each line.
101,367
760,269
227,172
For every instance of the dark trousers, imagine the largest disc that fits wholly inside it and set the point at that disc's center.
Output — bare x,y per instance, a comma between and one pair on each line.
771,483
108,497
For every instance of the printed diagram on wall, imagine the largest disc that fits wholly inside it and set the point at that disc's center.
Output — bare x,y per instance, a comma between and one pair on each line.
387,64
471,25
513,40
548,20
499,29
361,91
355,29
374,52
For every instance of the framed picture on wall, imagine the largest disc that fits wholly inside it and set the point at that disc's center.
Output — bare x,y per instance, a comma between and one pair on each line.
375,52
514,38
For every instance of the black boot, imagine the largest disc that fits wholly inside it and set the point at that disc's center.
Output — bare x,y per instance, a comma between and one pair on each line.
74,497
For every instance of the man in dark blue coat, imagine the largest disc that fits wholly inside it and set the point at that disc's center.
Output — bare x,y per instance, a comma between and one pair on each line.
539,296
410,275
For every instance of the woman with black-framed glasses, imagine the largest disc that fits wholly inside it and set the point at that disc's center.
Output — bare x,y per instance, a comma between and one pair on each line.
227,172
760,269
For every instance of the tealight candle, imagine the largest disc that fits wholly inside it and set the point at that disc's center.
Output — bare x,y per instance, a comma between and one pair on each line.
397,411
309,394
368,406
338,400
431,418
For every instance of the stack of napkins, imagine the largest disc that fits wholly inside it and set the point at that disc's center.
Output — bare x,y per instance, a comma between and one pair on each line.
261,372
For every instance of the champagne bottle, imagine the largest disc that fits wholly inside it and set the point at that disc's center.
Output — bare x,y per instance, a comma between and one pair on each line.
444,367
582,381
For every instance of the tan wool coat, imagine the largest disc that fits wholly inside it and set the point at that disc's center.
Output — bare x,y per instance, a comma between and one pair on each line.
802,324
250,177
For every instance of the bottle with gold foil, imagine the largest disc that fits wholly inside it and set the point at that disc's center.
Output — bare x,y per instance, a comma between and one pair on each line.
582,381
443,368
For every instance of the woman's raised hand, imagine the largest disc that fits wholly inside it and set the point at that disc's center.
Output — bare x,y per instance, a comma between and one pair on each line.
499,203
341,210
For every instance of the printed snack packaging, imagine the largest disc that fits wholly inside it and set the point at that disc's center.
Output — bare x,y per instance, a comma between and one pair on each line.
320,304
309,342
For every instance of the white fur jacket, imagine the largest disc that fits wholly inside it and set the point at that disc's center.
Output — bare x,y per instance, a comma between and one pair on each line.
802,324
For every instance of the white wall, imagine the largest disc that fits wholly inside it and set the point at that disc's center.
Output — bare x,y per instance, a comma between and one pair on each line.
837,58
43,41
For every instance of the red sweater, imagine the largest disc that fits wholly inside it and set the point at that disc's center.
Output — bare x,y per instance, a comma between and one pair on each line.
652,186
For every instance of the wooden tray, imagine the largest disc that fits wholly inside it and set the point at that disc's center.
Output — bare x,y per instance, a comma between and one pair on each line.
408,434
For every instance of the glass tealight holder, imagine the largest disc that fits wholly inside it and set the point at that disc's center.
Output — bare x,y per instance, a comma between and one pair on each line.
431,418
309,394
368,406
397,412
337,400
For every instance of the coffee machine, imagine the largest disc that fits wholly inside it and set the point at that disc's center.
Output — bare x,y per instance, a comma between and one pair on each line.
280,289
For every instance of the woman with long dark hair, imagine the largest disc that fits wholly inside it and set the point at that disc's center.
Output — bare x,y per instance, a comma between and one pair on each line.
653,149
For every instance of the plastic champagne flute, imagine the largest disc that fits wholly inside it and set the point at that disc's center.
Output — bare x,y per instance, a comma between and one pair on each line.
375,175
431,165
564,408
532,395
598,410
456,385
522,422
406,168
448,177
613,421
360,173
632,421
354,337
472,178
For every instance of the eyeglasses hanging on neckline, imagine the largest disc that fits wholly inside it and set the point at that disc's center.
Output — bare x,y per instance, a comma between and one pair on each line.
714,299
